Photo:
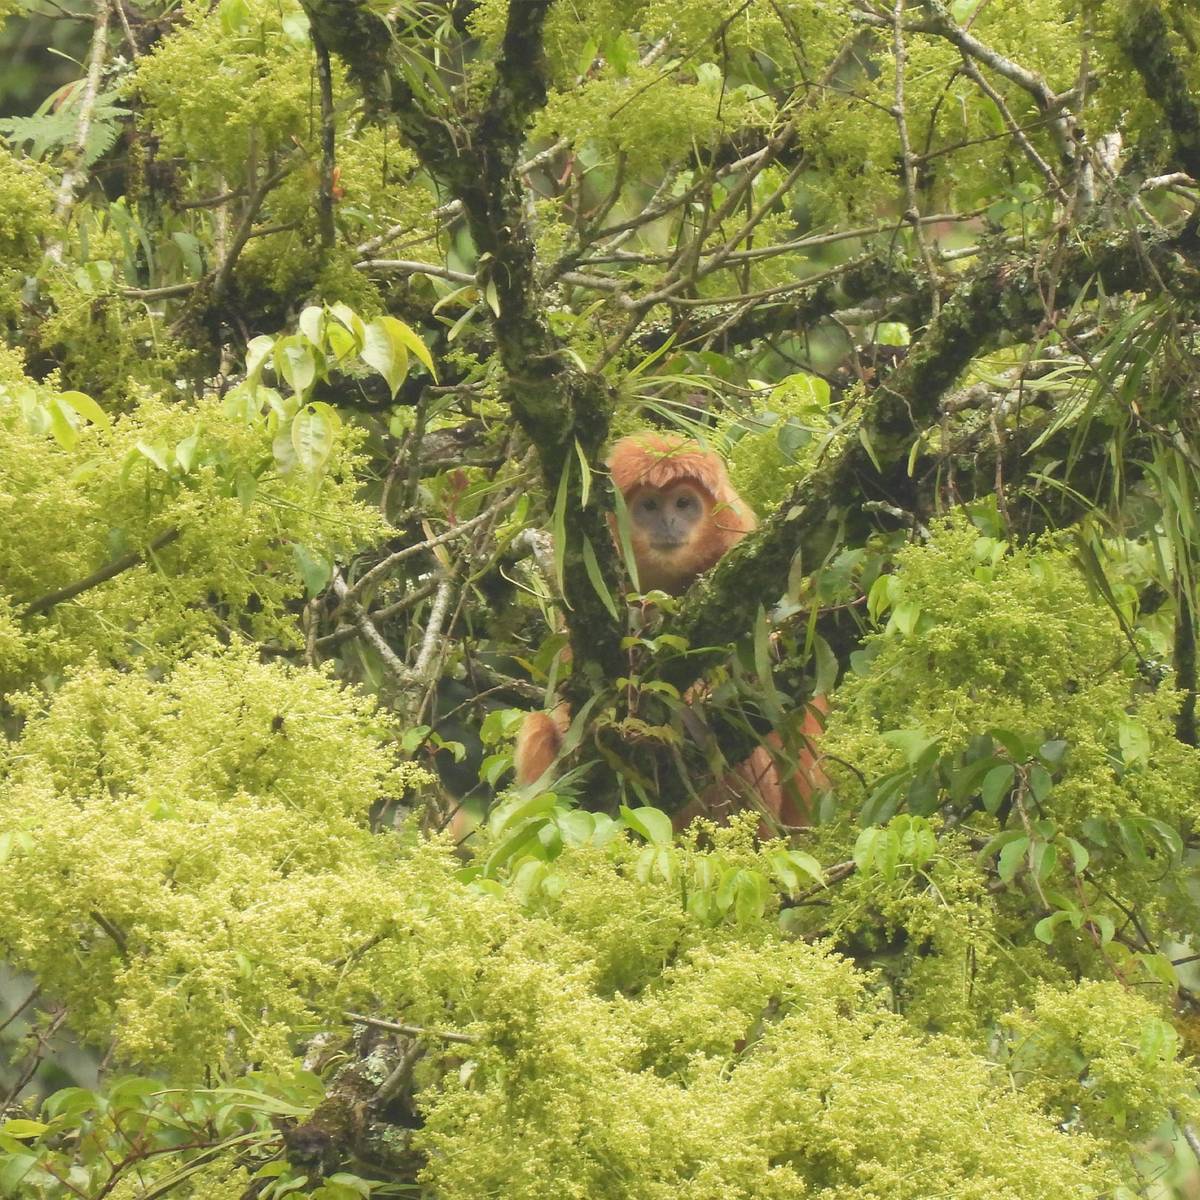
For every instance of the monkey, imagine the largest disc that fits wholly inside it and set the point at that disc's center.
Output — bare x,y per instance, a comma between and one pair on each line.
684,516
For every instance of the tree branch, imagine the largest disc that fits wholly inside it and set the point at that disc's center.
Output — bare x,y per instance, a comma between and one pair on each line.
103,575
1004,299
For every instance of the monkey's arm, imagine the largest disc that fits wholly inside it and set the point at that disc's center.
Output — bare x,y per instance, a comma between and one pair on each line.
539,741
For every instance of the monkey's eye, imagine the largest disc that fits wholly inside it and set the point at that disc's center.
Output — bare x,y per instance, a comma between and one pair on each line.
684,502
650,504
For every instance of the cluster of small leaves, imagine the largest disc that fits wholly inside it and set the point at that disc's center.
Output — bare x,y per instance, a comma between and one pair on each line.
135,1131
25,207
765,1048
1102,1054
1002,698
235,508
192,855
775,446
198,844
978,635
644,115
232,85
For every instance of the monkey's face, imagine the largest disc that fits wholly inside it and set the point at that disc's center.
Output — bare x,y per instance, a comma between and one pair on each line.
666,524
666,518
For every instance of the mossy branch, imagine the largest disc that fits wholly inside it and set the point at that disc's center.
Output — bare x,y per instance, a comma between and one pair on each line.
562,409
1008,299
1145,37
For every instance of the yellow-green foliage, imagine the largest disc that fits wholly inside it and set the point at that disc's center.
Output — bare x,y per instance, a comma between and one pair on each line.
1101,1053
954,956
984,637
191,855
66,513
105,343
748,1067
190,871
780,440
25,212
1011,638
647,117
231,86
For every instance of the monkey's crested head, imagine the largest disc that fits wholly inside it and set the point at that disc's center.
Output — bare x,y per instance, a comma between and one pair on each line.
660,459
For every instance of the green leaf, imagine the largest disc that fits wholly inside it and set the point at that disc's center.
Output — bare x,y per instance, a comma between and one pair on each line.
313,431
311,324
515,844
997,784
558,529
1040,782
865,441
384,351
62,423
86,407
1053,752
296,363
879,598
185,452
596,578
652,823
789,865
315,569
912,743
258,350
1044,929
510,815
906,615
752,894
18,1127
155,453
1134,740
1043,858
1012,857
412,340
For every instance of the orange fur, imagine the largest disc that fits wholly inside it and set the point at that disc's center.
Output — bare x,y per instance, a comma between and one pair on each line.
662,461
655,461
539,742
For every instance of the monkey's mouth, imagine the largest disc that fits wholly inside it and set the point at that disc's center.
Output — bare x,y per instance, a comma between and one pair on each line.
664,545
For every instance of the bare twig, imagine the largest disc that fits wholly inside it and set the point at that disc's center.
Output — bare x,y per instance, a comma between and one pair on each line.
452,534
74,174
442,1035
912,213
103,575
402,674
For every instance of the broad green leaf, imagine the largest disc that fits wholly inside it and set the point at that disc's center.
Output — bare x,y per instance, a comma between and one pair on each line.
63,423
652,823
1012,856
997,784
912,743
384,350
411,340
313,430
1134,740
155,453
19,1127
86,407
185,452
524,838
296,362
258,350
311,321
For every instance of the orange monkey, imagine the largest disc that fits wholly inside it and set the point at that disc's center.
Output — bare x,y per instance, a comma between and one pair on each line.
684,515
